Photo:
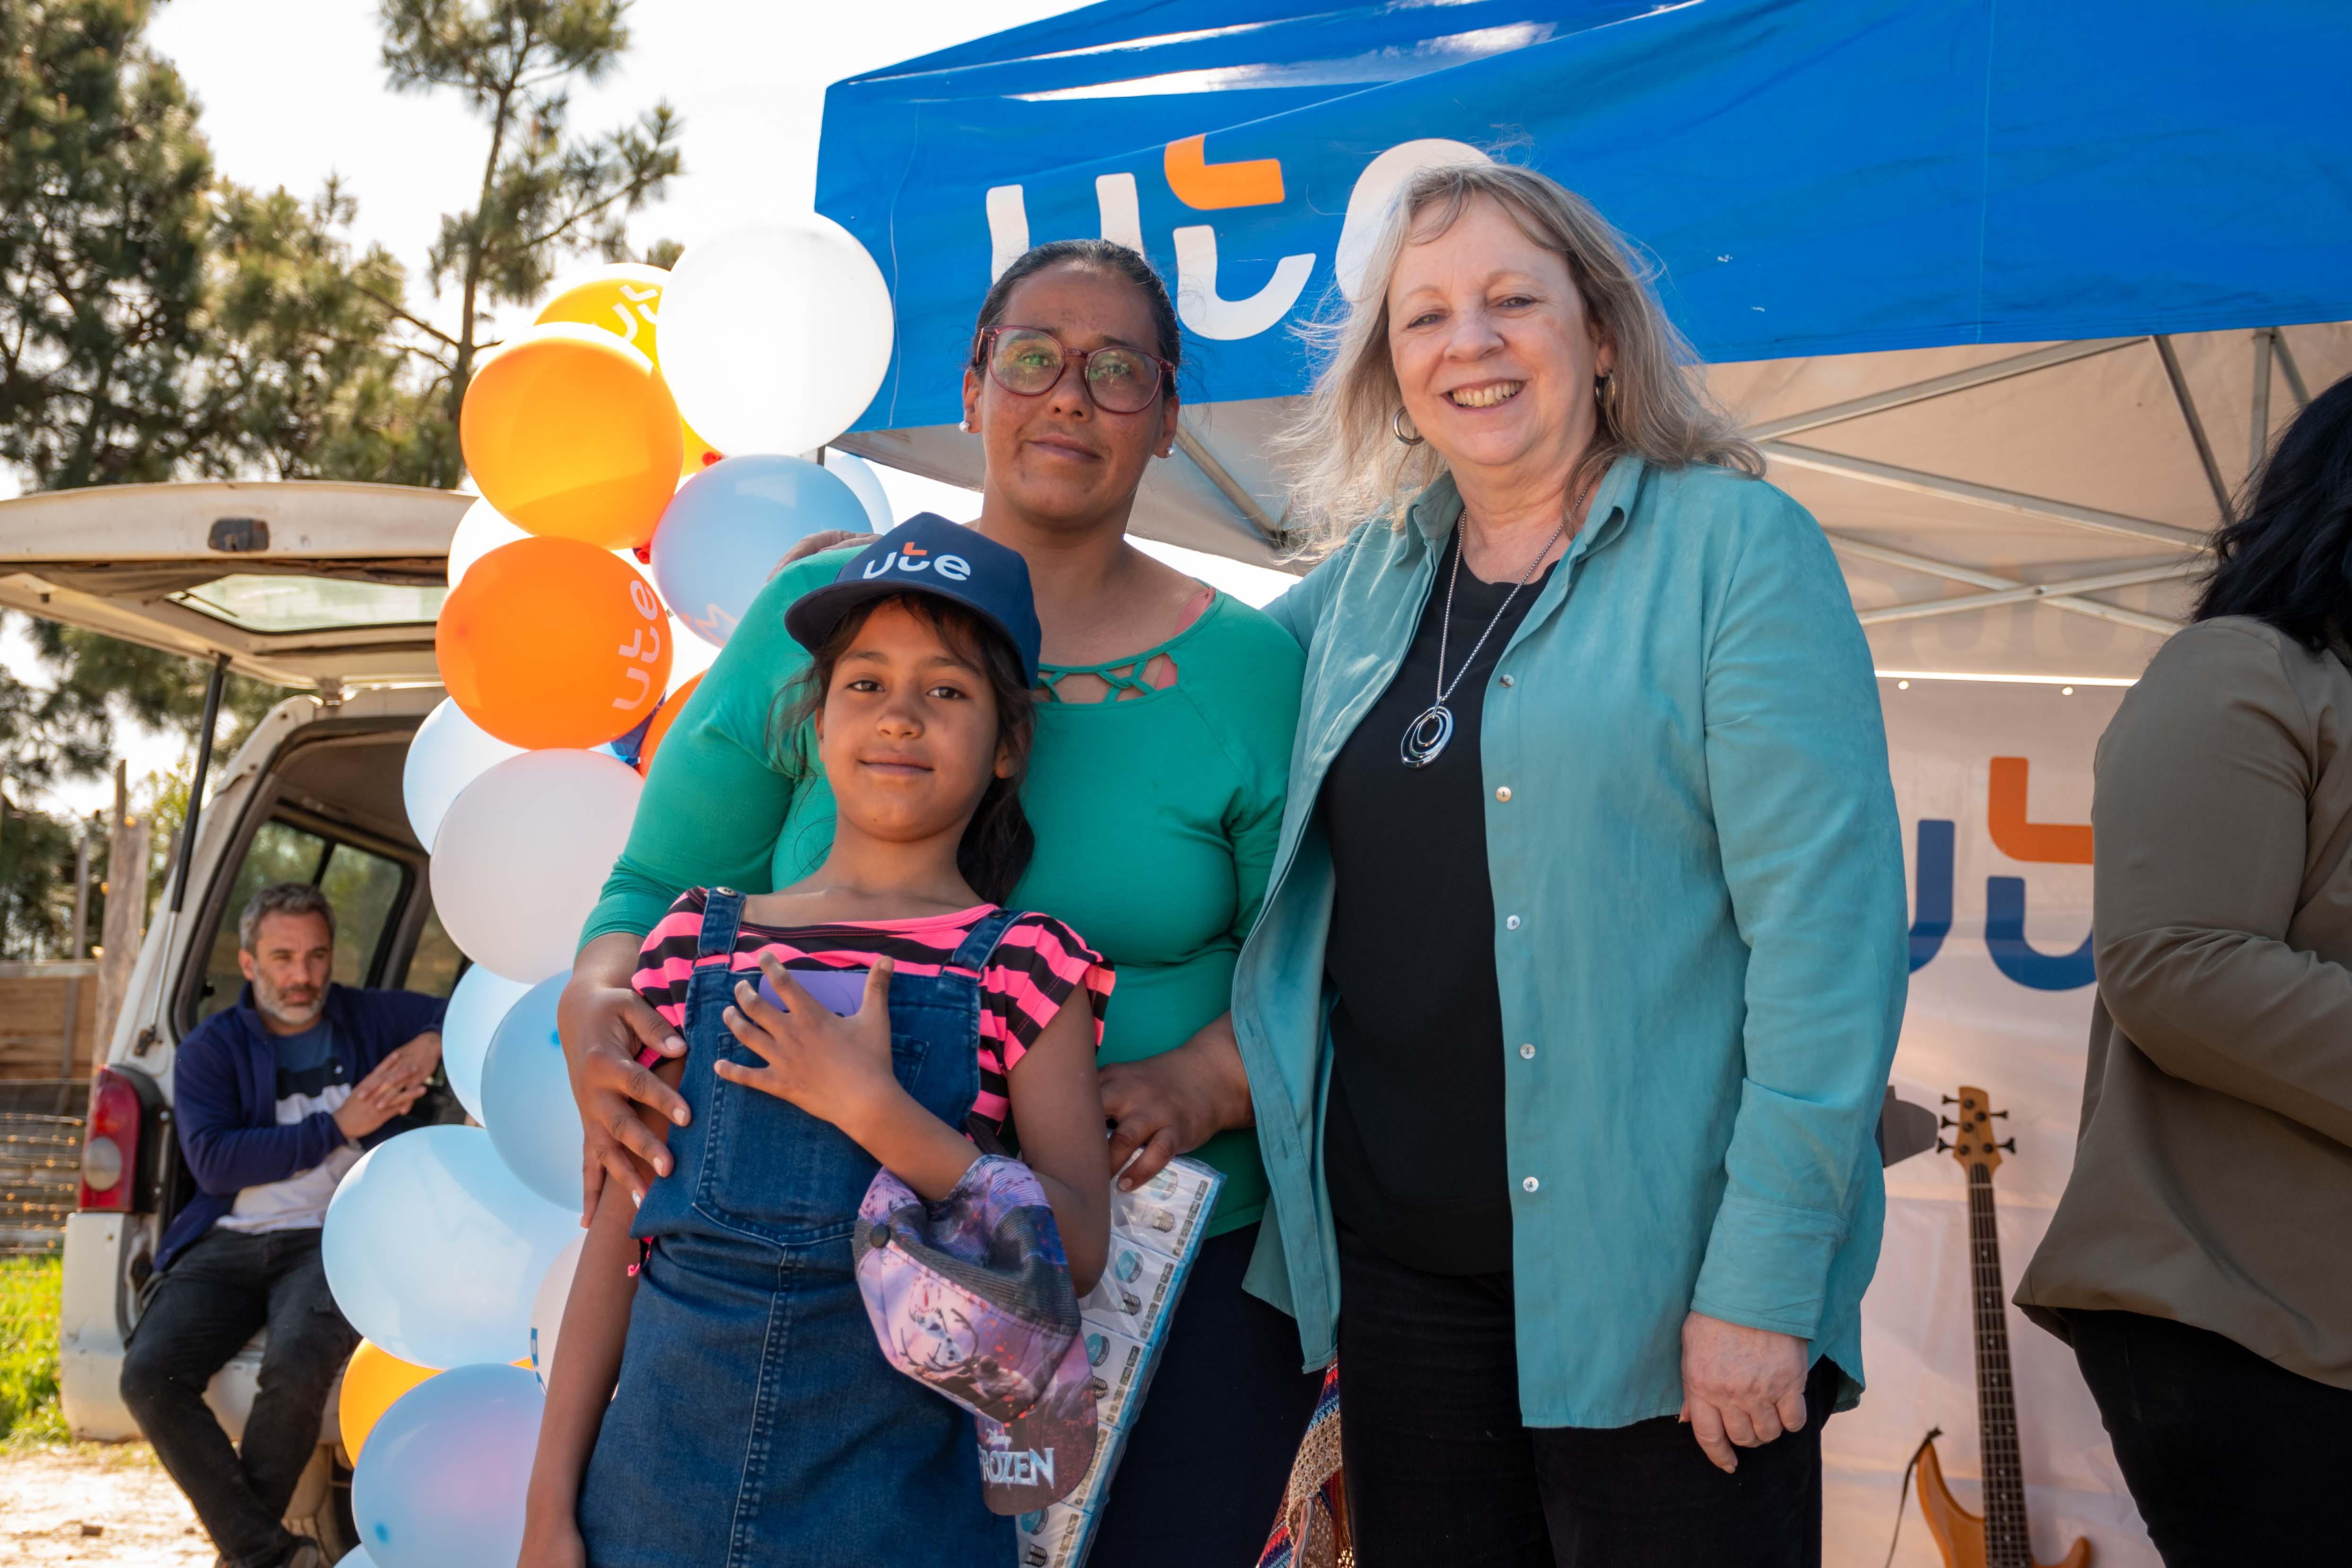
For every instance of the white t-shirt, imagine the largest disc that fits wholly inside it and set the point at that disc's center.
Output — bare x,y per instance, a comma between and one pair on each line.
309,1079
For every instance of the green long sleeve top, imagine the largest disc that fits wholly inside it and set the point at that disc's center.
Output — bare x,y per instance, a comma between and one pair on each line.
1156,818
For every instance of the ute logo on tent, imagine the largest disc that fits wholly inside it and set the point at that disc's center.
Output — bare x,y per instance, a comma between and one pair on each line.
1204,186
2020,839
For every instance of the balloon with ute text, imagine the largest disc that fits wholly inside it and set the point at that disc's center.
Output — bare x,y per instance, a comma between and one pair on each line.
550,642
775,338
727,528
523,853
569,433
527,1102
434,1250
442,1484
624,299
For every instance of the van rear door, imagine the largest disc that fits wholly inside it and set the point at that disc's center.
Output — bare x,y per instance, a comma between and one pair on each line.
311,584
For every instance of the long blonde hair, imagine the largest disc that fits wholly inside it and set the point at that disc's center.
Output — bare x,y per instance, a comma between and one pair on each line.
1349,464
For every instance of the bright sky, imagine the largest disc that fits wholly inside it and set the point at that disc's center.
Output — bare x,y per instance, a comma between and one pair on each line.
293,91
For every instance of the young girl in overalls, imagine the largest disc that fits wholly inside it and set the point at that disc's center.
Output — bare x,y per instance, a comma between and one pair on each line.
755,1420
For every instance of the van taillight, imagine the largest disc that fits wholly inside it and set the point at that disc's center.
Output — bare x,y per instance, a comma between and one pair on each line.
110,1150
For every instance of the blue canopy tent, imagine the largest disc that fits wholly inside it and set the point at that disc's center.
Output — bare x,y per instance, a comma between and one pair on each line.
2005,291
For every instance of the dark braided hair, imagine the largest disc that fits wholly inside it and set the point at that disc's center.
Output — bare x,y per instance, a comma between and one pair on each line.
2285,555
1107,254
998,841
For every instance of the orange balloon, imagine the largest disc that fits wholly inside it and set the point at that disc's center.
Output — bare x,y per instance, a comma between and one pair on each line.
375,1378
551,642
663,717
572,433
624,299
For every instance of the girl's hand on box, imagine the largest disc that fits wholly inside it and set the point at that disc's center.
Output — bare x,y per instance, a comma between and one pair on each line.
834,1067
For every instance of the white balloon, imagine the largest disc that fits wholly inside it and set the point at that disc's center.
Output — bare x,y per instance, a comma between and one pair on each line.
449,751
547,1310
858,475
775,338
482,1000
479,531
523,853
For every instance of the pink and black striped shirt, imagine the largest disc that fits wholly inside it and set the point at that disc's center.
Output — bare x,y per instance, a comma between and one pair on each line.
1037,965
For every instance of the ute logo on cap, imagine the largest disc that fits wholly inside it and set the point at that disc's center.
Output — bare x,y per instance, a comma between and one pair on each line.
954,568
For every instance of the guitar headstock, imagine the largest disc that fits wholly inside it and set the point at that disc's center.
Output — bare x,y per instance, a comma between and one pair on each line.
1972,1141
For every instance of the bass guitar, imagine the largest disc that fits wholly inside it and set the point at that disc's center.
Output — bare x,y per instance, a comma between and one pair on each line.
1998,1538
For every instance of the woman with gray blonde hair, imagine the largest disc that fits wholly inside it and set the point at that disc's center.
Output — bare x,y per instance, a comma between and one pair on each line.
1568,1013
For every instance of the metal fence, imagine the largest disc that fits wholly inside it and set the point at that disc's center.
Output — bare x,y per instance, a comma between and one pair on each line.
40,1161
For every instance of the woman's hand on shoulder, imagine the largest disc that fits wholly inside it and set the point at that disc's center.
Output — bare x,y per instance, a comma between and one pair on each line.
817,543
605,1024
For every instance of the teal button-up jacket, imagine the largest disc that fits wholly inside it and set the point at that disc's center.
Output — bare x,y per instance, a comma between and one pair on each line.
1700,933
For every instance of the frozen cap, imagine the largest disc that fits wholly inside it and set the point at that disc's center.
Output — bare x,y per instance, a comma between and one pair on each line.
972,1297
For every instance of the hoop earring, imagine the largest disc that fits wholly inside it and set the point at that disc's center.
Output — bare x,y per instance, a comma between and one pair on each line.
1400,426
1604,397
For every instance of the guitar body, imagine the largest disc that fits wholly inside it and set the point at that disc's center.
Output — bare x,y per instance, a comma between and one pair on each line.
1959,1534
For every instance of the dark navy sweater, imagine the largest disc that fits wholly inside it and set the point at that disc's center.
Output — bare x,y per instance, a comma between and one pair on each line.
224,1098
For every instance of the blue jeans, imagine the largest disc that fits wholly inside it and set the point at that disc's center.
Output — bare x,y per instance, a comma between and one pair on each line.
757,1424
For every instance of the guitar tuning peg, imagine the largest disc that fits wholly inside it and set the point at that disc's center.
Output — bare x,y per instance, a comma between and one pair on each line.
1945,1121
1950,1100
2002,1114
2010,1145
1940,1145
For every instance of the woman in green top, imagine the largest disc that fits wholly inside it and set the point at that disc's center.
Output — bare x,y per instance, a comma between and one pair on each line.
1156,787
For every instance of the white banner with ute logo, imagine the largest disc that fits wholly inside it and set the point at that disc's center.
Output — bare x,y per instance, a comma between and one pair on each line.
1993,781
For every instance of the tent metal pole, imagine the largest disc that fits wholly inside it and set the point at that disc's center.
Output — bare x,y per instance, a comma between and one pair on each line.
2028,592
2258,442
1988,496
2287,368
1244,503
1886,555
1939,386
2196,426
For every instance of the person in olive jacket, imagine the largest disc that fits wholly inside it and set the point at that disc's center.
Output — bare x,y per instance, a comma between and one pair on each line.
2200,1262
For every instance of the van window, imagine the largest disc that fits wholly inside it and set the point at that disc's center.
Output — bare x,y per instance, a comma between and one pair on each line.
363,888
434,968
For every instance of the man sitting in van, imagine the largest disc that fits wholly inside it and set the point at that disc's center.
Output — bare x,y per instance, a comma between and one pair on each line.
275,1098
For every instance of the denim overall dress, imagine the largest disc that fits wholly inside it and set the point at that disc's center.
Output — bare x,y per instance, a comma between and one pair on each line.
756,1423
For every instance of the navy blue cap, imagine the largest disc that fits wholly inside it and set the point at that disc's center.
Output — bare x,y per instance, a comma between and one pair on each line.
929,555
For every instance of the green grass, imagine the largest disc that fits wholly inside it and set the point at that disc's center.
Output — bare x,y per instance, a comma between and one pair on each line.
30,1290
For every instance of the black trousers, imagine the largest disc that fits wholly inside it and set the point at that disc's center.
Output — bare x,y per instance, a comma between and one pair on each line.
1441,1469
2231,1458
1204,1470
210,1302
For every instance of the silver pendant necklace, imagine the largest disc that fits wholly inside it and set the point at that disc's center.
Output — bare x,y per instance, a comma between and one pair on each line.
1425,737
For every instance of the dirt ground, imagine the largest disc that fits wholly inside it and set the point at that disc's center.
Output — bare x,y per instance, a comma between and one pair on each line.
96,1505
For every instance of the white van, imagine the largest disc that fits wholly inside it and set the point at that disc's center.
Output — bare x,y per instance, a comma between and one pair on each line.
330,589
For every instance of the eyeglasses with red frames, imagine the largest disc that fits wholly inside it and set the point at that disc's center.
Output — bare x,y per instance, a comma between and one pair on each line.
1028,361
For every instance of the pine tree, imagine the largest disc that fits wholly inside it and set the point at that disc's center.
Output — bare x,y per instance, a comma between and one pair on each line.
544,195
